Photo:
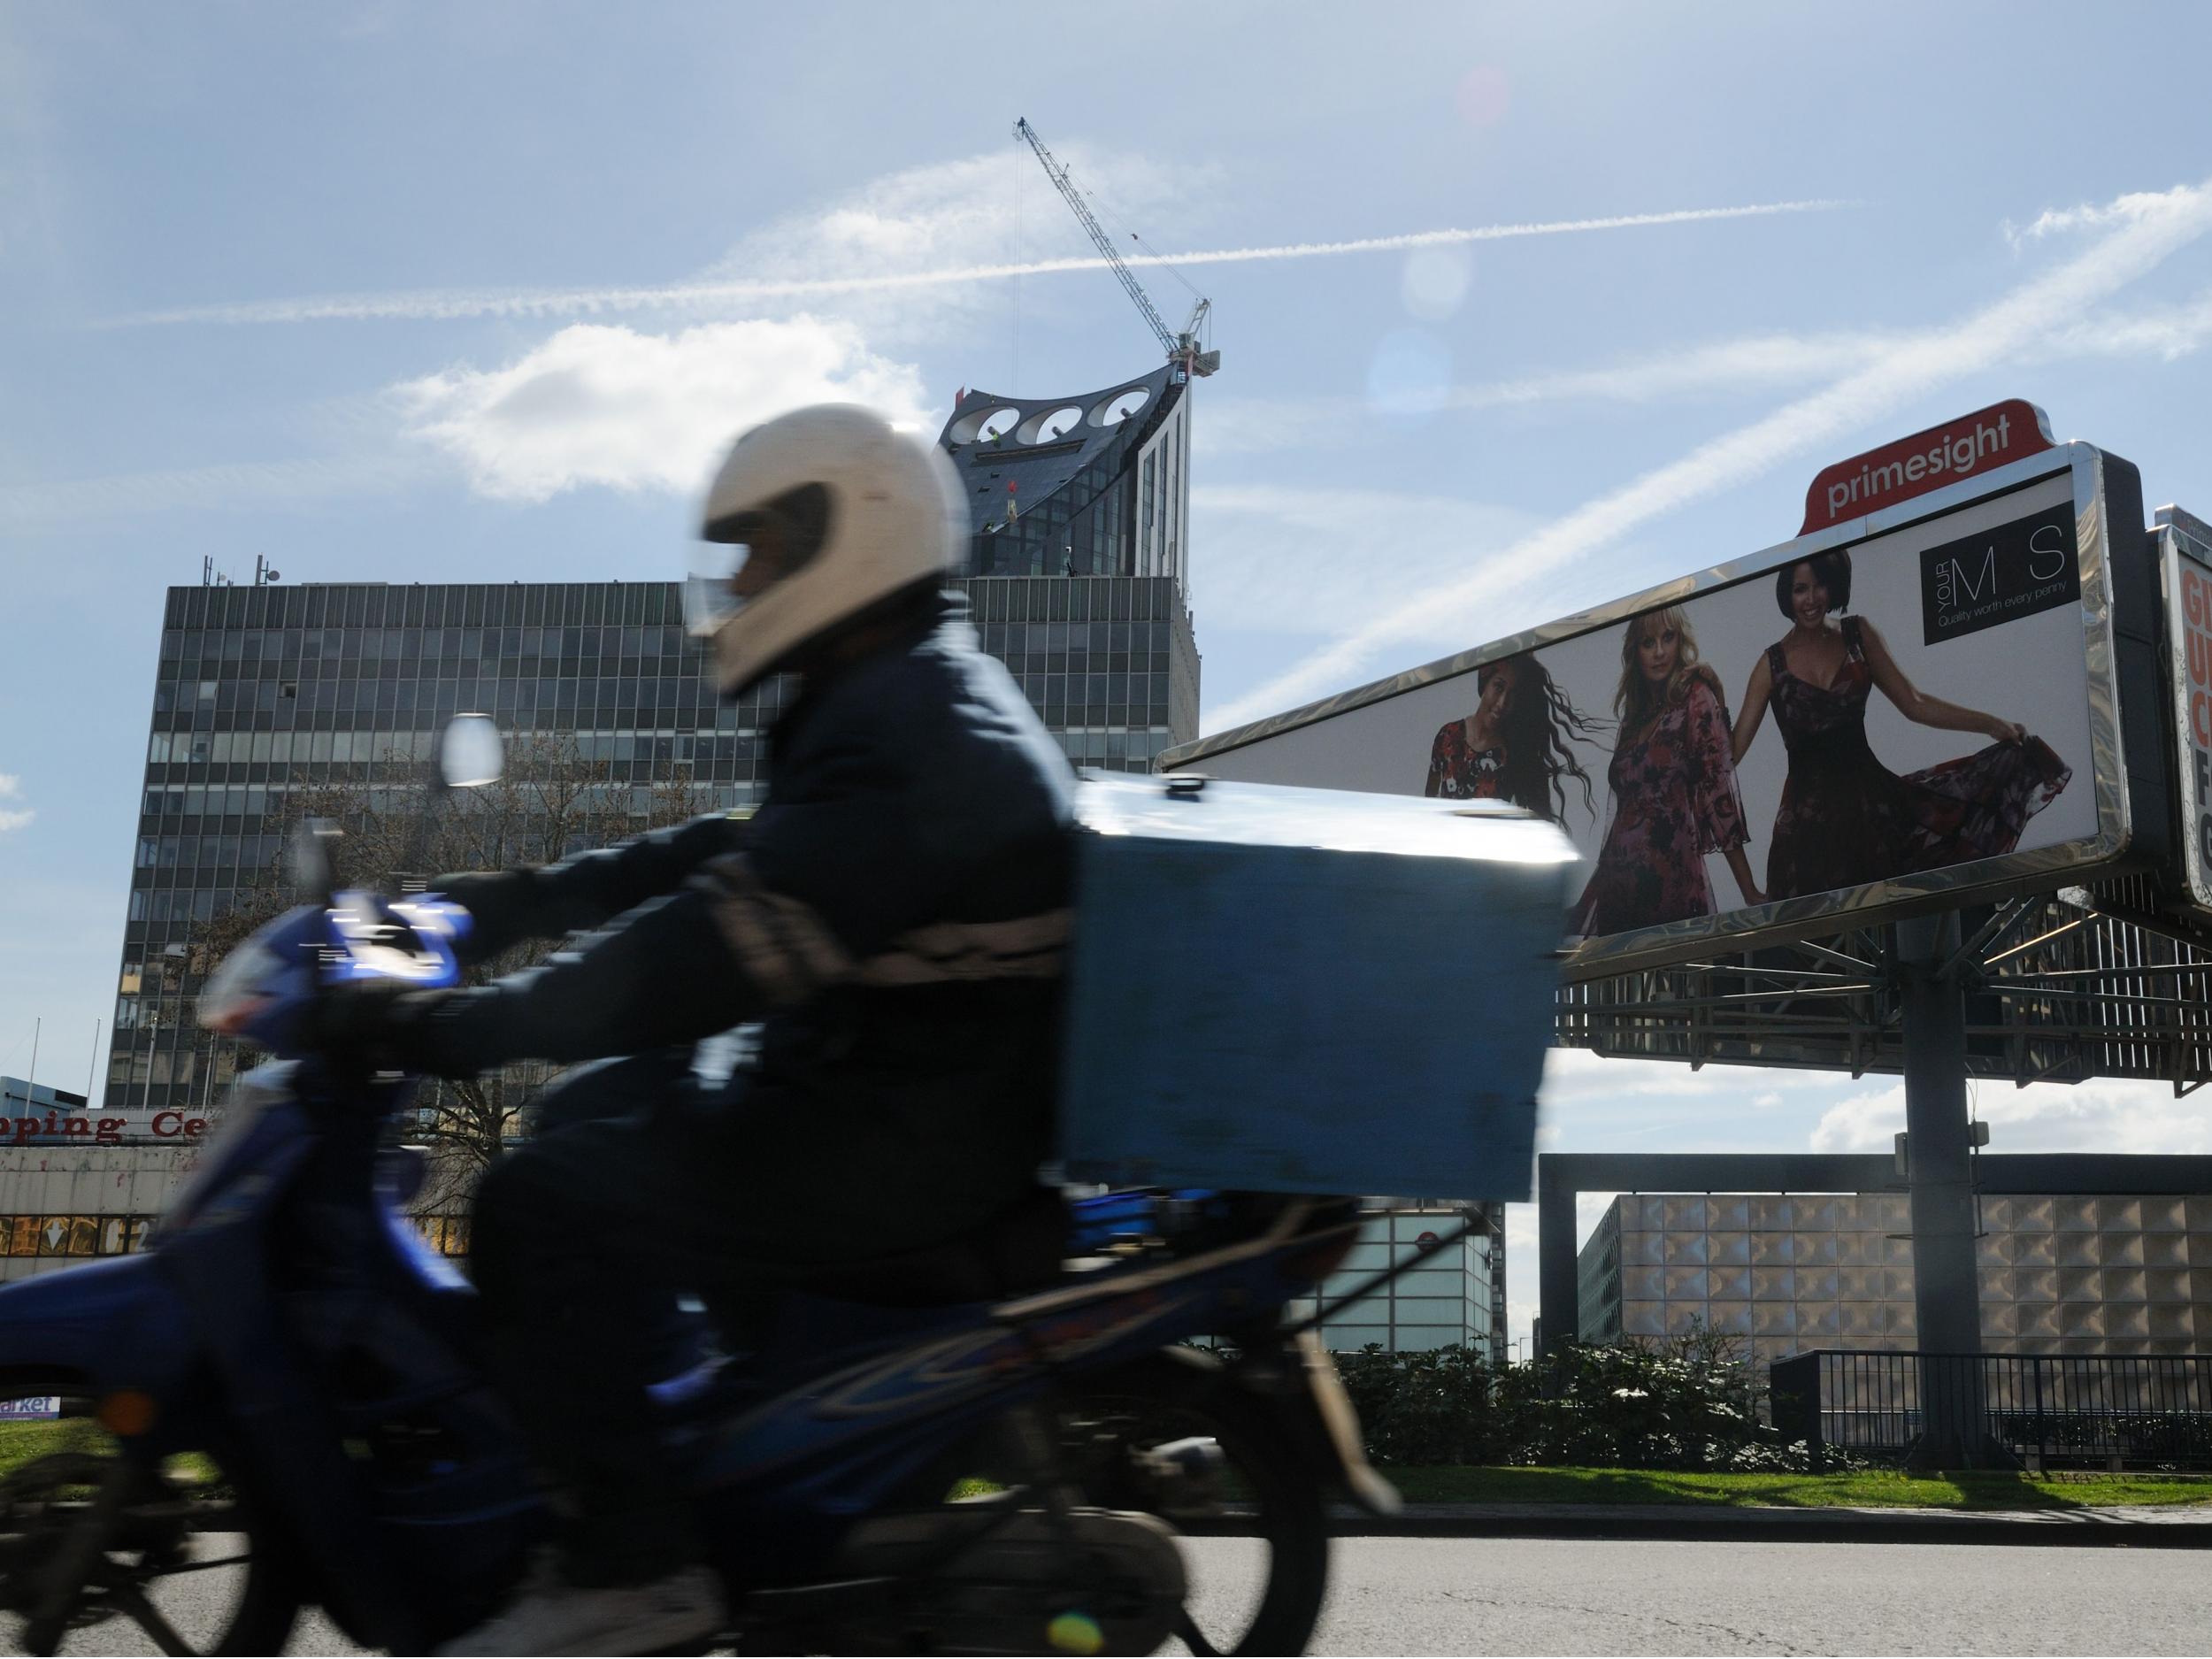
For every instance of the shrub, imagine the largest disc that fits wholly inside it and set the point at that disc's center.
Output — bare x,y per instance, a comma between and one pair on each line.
1689,1403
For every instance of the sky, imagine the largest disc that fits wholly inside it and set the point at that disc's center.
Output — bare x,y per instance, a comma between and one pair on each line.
1521,309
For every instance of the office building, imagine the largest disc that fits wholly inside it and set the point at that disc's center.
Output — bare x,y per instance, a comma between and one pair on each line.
1455,1298
1788,1273
261,691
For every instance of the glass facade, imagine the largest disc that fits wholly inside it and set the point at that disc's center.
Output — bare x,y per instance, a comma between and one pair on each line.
1456,1297
1094,484
1109,664
259,691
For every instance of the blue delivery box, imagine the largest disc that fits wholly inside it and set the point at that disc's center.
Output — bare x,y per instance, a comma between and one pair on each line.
1308,990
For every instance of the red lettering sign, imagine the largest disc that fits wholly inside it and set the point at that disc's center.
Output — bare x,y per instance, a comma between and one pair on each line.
1979,442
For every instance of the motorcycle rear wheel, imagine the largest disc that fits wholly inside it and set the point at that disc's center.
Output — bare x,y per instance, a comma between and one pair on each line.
1254,1538
1267,1494
168,1562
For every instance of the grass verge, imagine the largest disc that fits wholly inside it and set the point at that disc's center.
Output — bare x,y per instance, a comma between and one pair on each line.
1866,1490
21,1443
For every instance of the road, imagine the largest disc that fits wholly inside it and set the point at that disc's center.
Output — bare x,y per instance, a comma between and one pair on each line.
1438,1595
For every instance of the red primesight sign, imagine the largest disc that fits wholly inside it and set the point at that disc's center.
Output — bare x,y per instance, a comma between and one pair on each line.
1979,442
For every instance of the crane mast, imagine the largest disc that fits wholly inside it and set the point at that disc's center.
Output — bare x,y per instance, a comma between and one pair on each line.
1181,348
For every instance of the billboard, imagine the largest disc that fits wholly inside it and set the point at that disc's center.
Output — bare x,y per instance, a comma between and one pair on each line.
1912,706
2185,576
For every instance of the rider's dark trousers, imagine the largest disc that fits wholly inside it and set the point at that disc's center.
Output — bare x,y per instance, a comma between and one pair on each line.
641,1184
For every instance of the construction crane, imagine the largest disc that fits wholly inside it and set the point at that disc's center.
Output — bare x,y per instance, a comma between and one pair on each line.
1181,348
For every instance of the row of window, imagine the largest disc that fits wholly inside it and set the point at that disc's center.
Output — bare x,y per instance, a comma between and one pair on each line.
151,1012
167,852
1106,748
402,644
1001,638
161,906
1095,688
1053,598
630,604
453,605
391,748
430,701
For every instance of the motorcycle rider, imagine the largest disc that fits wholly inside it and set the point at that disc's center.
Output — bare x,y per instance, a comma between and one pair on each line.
894,914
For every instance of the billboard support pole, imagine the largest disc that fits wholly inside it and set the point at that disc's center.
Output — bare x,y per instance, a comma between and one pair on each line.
1939,1176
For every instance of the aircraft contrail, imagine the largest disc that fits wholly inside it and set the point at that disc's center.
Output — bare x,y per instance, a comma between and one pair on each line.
2145,229
433,305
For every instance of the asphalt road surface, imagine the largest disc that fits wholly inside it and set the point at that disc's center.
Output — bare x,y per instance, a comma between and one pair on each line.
1438,1595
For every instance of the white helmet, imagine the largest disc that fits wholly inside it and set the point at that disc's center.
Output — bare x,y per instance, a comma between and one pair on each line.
829,510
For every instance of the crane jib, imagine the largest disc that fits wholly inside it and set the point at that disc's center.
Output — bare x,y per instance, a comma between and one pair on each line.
1183,347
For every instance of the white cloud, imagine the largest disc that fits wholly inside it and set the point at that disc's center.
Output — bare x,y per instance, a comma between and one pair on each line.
604,405
2168,332
2104,1116
1864,1123
14,818
1241,425
2152,228
1302,561
2121,209
1577,1074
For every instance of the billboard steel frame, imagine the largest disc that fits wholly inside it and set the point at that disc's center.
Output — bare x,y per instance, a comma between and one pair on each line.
2057,964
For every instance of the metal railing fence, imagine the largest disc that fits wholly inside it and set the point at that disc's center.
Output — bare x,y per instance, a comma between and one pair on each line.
2041,1411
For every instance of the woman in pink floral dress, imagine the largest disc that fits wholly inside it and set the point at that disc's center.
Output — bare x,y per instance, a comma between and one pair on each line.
1673,779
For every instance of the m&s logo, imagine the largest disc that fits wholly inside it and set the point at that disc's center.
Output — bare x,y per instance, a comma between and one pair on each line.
2012,570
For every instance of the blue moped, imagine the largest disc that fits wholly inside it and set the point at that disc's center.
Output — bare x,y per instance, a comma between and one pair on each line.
282,1403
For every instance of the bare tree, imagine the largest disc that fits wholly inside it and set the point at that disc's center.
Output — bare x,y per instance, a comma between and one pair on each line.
550,802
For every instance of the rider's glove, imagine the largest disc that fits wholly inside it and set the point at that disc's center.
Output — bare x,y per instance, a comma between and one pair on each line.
499,905
375,1024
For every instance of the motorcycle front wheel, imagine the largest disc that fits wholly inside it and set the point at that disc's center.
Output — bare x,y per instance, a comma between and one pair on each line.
101,1555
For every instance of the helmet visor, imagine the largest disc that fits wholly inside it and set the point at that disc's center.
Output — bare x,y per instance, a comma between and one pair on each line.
747,553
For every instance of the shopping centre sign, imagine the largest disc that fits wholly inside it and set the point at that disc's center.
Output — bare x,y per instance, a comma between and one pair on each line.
64,1128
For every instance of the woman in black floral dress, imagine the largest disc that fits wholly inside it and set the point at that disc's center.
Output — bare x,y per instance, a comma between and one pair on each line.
1845,819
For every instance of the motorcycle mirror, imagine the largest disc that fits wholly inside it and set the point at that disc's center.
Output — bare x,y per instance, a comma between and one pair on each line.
311,872
470,752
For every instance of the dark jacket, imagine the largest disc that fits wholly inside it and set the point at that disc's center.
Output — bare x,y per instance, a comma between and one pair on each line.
895,913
